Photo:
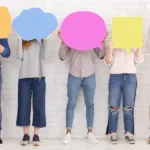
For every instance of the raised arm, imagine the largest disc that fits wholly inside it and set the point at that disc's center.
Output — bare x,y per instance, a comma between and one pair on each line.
63,51
139,57
45,50
19,51
109,58
4,48
101,52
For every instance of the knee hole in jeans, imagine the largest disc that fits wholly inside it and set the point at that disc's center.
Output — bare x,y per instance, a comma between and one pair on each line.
114,108
128,108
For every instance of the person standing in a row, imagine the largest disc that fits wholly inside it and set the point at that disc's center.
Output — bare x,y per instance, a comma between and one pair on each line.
31,84
5,52
81,75
122,82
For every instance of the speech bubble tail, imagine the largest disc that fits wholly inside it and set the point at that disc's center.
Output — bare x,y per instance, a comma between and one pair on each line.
128,50
39,40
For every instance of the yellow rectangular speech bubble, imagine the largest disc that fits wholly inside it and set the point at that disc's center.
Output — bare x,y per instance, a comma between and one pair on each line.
5,22
127,32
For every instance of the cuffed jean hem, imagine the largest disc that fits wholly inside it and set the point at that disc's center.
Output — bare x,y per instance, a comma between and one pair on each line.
68,128
22,125
89,128
39,126
128,132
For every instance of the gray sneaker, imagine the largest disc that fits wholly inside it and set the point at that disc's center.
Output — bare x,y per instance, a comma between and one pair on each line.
129,138
113,139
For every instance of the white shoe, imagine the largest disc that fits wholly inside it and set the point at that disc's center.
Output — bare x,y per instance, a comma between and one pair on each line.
113,138
129,138
67,138
91,138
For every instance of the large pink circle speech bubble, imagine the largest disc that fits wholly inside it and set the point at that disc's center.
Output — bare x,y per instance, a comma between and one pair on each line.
83,30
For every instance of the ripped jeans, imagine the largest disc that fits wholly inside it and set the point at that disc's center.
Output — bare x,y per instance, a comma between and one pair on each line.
122,85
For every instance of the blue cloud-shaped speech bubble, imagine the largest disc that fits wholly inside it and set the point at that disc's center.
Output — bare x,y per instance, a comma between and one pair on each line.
34,24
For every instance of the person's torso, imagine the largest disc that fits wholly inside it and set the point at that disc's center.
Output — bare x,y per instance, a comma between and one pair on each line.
123,62
81,63
32,64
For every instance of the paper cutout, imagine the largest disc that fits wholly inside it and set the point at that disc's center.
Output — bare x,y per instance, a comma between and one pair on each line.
34,24
5,22
83,30
127,32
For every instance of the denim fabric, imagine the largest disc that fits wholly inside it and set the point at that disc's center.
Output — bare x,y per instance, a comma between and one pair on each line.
6,53
122,85
28,87
0,100
74,84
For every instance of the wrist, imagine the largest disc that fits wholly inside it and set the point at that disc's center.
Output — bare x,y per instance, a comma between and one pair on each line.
138,52
2,49
110,50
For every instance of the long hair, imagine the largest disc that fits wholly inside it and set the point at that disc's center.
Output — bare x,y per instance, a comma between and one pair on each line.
27,44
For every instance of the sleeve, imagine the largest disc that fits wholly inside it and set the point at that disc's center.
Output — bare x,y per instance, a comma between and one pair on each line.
6,53
19,51
63,51
101,52
111,63
45,50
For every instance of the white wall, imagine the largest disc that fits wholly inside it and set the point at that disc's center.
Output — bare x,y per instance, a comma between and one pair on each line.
57,72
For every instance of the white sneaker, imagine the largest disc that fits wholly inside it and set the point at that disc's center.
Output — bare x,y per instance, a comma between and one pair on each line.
91,138
129,138
67,138
113,138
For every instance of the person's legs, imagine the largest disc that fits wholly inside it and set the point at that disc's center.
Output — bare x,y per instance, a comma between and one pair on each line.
24,107
1,142
39,116
89,85
129,93
0,100
73,88
115,89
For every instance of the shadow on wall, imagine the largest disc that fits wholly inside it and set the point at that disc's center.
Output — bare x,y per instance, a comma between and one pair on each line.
148,41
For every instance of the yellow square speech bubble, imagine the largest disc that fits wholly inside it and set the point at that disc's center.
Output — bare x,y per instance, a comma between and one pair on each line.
5,22
127,32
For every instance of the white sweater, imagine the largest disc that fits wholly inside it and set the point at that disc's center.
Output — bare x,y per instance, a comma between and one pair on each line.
124,62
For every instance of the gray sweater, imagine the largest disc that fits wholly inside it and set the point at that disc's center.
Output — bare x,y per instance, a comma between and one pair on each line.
32,60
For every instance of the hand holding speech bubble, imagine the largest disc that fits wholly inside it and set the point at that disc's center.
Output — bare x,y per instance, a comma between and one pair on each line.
5,22
83,30
127,32
34,24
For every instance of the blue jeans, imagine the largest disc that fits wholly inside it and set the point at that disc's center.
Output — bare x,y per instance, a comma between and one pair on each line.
122,85
73,87
0,100
26,88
